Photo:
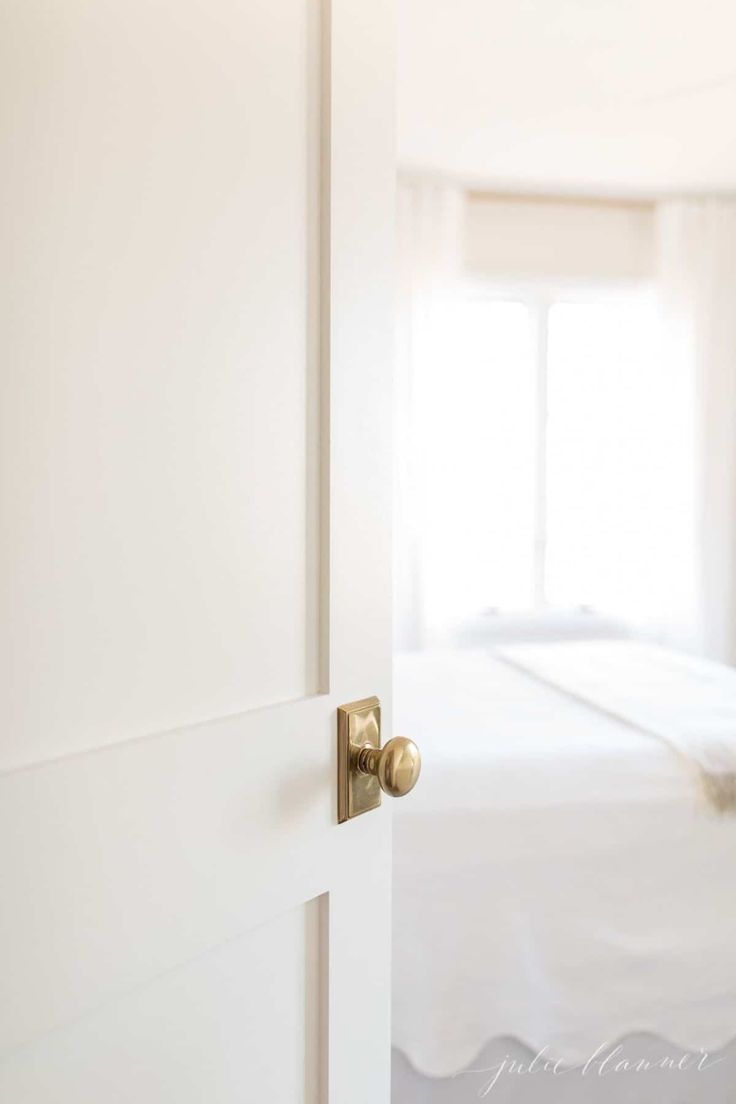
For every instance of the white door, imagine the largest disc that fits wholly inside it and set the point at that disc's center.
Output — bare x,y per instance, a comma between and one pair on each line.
197,234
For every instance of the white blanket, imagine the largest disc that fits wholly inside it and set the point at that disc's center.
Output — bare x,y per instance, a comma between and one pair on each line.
688,703
554,880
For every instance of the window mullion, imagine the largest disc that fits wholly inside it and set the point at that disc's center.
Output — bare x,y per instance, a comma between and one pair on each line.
541,326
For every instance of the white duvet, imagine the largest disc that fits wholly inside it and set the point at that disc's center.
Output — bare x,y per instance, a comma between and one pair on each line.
555,878
689,704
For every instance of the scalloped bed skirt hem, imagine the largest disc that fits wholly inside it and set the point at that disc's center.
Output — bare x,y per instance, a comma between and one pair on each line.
631,1068
590,1052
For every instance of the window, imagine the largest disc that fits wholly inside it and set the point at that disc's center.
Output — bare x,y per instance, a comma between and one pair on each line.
605,393
543,459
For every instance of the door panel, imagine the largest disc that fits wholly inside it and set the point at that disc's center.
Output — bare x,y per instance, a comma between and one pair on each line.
195,498
195,1033
162,180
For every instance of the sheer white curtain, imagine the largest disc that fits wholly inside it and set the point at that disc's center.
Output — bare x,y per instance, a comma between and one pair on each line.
430,240
686,547
697,275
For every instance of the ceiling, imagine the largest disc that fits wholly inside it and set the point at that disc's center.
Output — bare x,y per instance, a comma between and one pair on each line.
590,96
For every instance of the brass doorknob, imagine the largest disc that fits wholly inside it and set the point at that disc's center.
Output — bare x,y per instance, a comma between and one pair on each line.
364,768
396,765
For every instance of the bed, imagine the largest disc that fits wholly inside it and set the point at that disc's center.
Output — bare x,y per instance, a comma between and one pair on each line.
557,881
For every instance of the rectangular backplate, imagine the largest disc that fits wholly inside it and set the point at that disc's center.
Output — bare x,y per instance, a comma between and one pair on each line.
358,725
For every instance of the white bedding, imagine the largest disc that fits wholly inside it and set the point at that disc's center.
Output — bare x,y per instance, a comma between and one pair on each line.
688,703
554,878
